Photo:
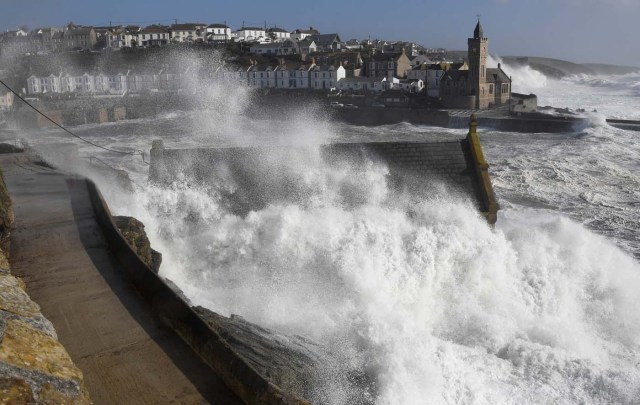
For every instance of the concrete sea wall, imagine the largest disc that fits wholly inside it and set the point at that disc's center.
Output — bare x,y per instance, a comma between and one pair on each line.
34,367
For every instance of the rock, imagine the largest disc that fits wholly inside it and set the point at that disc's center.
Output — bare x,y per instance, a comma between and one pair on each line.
295,364
50,395
14,299
23,346
289,362
135,235
15,391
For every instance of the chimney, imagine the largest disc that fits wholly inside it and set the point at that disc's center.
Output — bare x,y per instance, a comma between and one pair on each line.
499,66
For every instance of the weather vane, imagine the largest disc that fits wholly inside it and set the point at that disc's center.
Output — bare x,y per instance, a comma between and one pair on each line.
478,17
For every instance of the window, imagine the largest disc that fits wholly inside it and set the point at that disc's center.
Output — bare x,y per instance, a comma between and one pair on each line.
491,89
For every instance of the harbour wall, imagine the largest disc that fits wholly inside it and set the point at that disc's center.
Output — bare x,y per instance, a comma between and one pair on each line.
459,165
86,110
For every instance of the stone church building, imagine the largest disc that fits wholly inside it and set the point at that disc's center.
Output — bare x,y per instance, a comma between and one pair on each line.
478,87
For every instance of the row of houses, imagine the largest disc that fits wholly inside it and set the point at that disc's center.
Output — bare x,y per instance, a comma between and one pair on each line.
274,41
49,39
325,78
309,45
119,83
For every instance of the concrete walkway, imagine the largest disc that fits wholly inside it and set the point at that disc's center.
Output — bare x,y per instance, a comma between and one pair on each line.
126,354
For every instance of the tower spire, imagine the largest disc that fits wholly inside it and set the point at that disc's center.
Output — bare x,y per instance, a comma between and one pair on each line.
478,33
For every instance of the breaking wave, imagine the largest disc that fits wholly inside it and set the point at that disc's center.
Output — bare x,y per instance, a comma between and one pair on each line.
525,79
419,292
628,83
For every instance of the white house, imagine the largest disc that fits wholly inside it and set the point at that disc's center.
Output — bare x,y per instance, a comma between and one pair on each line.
187,32
118,83
138,82
301,34
261,78
326,77
17,33
282,77
67,83
153,36
364,84
300,79
101,83
266,49
39,85
250,34
218,33
278,34
121,39
85,83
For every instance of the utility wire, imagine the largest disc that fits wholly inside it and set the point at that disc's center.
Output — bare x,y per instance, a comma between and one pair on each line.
134,153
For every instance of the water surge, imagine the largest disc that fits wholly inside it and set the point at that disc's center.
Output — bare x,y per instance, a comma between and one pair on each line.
420,293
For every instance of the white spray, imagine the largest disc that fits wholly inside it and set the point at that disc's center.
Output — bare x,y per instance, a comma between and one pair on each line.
422,293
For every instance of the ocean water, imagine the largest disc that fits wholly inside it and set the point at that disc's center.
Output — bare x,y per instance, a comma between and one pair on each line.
420,292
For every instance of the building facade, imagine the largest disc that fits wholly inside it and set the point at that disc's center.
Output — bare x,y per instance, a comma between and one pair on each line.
388,65
218,33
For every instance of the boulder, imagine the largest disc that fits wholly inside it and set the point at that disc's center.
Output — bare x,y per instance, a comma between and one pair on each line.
135,235
295,364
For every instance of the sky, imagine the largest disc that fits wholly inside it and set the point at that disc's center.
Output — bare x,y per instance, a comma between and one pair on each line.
582,31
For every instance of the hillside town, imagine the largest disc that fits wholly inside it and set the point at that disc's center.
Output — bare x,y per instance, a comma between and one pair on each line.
396,72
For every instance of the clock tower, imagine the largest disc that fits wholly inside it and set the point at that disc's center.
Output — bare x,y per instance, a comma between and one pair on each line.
477,79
